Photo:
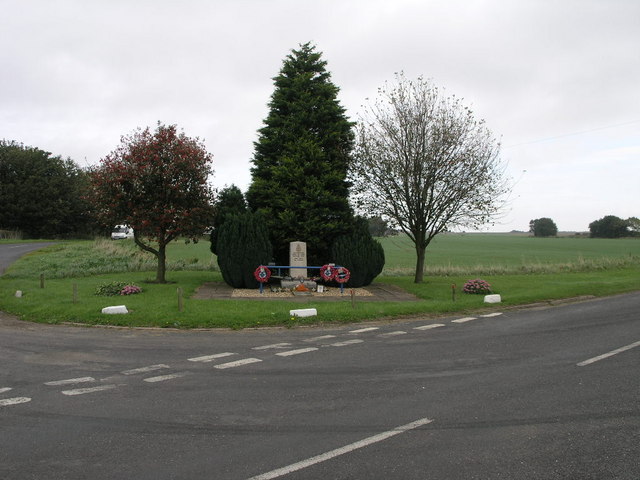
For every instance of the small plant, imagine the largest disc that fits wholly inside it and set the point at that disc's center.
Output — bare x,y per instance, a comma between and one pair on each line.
476,286
117,288
110,289
130,290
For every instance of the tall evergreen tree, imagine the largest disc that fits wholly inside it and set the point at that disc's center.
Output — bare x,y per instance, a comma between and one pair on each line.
300,161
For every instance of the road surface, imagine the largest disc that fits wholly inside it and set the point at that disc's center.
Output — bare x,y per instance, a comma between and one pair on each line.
10,252
547,393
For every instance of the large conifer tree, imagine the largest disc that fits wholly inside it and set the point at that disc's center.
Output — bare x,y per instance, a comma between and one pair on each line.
300,161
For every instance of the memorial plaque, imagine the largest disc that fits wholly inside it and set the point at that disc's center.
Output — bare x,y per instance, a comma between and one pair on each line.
298,258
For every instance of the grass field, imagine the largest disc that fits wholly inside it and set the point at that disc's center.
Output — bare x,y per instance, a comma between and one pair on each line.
508,253
522,269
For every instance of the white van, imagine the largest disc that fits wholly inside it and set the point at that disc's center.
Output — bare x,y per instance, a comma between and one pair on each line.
120,232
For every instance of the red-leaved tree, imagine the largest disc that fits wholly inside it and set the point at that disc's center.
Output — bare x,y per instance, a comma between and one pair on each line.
158,184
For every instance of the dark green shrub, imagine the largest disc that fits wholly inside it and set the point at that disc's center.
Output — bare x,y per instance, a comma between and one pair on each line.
243,244
110,289
230,201
360,253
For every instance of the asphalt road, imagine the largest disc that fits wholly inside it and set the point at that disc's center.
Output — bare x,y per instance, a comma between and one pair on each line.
548,393
10,252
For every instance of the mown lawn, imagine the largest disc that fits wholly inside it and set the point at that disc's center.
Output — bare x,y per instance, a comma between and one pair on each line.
596,268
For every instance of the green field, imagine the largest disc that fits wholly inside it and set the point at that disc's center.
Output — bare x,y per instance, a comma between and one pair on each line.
522,269
507,253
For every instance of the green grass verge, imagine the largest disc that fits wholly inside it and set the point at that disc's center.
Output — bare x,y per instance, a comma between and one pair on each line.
158,304
90,264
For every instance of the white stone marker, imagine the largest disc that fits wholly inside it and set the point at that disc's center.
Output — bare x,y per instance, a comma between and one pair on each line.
115,309
298,258
303,312
492,299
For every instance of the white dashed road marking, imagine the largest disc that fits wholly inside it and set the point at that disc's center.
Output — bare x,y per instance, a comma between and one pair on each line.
70,381
364,330
296,352
151,368
246,361
211,358
273,345
393,334
430,326
13,401
237,363
347,342
608,354
464,320
342,450
163,378
82,391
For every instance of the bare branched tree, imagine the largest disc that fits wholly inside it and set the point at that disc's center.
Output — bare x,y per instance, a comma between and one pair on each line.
424,162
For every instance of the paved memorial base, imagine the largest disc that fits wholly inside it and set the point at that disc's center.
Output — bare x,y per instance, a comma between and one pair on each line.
376,292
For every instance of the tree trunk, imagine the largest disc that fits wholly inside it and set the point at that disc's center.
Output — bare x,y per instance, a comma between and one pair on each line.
420,254
162,257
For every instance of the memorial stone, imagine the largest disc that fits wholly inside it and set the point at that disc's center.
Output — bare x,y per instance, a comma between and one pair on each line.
298,258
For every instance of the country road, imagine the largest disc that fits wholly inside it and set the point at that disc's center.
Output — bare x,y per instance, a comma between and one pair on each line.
545,393
10,252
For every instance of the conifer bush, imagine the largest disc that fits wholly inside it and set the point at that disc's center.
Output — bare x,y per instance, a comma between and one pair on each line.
360,253
243,245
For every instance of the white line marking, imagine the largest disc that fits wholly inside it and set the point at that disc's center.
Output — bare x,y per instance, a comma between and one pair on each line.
608,354
317,339
464,320
162,378
347,342
82,391
430,326
237,363
150,368
296,352
341,451
210,358
363,330
489,315
70,381
273,345
13,401
5,389
393,334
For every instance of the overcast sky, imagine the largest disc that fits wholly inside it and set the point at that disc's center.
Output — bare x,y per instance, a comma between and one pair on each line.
558,81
